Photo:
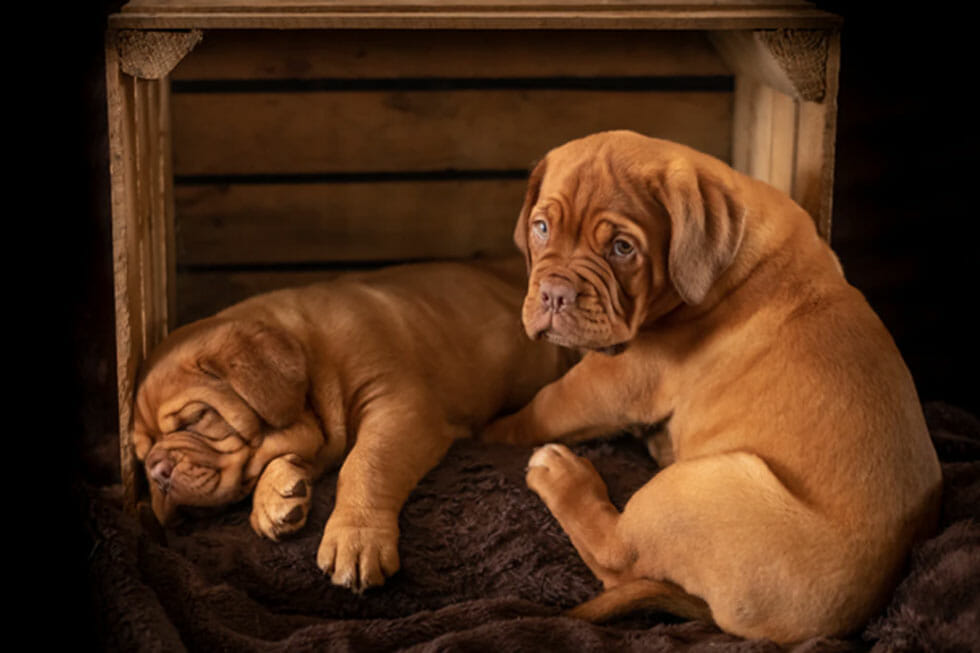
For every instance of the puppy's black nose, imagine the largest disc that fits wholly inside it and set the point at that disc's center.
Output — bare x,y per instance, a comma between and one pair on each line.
557,294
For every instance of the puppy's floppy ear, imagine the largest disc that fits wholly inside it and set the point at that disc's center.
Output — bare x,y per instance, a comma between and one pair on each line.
264,365
530,199
707,221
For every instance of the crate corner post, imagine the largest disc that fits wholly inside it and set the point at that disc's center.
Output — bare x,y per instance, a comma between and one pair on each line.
138,64
785,113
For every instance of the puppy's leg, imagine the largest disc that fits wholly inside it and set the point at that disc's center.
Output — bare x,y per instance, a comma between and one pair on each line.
723,528
580,406
282,497
396,446
571,488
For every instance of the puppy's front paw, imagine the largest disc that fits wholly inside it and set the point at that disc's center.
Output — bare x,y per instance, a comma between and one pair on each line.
282,498
359,556
560,477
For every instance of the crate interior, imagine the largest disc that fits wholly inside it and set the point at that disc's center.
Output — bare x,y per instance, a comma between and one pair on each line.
301,154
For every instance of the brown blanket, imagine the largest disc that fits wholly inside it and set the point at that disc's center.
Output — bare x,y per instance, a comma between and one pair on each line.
484,568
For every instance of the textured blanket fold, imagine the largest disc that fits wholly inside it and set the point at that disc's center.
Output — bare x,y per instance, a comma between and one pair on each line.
484,568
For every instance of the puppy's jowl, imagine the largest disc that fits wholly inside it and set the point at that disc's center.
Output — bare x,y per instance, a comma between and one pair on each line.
388,367
797,466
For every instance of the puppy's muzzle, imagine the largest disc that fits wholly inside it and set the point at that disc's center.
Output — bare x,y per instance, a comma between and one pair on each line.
160,469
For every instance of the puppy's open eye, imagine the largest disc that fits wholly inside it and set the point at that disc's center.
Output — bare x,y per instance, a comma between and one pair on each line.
540,229
622,248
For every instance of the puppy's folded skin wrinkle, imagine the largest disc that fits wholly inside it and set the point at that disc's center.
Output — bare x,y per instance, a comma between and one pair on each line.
797,468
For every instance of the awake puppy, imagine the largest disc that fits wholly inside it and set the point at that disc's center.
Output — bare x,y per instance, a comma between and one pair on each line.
802,469
387,367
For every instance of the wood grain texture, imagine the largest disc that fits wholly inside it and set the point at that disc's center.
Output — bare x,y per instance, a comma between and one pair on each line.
151,54
446,5
142,233
129,350
245,133
785,112
341,54
817,145
304,223
205,292
791,61
472,14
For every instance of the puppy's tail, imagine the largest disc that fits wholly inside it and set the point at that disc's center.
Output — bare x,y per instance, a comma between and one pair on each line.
642,594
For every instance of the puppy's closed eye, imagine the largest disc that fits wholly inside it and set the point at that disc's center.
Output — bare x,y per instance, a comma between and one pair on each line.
201,419
190,414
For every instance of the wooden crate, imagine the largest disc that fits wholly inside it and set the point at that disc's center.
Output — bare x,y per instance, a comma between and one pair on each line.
256,144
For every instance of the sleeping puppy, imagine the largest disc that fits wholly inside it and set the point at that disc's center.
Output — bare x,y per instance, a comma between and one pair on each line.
388,367
802,468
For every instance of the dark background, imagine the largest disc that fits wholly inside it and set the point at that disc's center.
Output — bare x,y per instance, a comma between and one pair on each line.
903,225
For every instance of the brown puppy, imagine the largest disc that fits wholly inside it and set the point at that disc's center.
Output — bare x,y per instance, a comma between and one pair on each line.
802,469
390,366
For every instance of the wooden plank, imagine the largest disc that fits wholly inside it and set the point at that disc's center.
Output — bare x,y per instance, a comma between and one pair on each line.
129,344
422,5
815,153
753,120
274,54
471,14
785,112
765,139
783,143
204,293
166,207
154,217
142,219
142,229
473,19
300,223
259,133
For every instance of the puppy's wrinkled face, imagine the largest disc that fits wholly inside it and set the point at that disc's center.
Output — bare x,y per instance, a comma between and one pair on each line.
596,258
196,427
619,229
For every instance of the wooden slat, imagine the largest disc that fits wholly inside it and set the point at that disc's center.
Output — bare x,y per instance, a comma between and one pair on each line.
245,133
472,14
300,223
129,326
765,139
752,137
446,5
815,154
783,143
273,54
142,227
785,112
203,293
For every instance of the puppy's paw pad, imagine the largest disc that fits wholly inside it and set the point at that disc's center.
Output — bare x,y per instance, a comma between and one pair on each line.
278,516
282,500
358,557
